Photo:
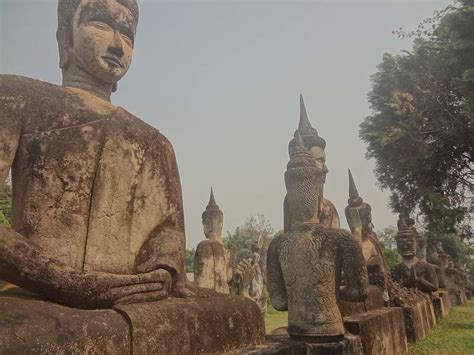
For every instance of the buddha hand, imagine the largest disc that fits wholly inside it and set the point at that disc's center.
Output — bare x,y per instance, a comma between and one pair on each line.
147,287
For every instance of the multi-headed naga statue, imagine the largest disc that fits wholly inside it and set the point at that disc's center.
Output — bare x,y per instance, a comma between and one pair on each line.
304,264
212,264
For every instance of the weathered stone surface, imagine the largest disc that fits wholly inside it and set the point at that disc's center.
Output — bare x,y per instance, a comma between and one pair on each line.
468,295
381,331
31,326
441,304
212,264
373,301
212,326
419,320
304,265
283,345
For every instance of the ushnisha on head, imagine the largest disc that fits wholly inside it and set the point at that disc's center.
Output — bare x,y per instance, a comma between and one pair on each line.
212,219
406,242
304,183
357,205
96,39
313,143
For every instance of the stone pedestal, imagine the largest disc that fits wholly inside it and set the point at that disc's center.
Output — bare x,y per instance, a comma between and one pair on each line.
381,331
457,297
441,304
284,345
216,326
468,295
419,319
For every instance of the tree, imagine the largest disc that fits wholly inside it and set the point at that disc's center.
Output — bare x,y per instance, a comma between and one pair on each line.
389,245
190,260
422,126
256,228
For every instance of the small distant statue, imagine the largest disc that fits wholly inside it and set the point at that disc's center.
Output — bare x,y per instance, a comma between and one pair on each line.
315,146
411,272
249,277
359,217
304,265
212,264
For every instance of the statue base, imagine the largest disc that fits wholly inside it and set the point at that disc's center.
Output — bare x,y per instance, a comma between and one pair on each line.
468,295
419,319
219,325
457,297
441,304
282,344
381,331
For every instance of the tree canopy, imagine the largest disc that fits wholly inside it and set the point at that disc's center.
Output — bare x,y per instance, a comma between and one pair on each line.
421,130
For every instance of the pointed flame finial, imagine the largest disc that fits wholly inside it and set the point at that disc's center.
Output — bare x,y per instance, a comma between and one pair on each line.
304,124
354,198
212,201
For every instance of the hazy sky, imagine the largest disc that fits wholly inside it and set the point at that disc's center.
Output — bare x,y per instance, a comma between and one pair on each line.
221,80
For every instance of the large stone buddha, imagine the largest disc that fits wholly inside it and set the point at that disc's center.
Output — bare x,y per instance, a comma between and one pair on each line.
97,207
97,211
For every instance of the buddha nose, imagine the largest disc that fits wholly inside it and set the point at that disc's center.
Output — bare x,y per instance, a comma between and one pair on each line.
117,45
325,169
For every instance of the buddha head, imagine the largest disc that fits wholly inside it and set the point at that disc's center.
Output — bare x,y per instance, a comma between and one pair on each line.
313,143
406,243
304,183
97,37
420,240
358,213
212,219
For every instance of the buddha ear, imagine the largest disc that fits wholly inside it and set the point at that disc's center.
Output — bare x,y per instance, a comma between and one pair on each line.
64,57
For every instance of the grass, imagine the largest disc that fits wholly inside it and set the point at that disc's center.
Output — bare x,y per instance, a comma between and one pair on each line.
452,335
275,319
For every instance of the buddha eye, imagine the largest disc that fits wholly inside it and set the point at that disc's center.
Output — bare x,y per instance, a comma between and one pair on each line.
100,25
127,39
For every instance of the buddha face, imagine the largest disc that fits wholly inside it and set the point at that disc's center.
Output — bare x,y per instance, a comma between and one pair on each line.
319,156
407,247
212,224
103,37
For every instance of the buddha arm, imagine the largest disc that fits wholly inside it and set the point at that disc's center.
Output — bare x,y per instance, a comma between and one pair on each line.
428,281
29,267
164,247
275,282
353,265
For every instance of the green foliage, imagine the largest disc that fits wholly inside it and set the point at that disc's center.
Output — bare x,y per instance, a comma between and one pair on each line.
452,335
245,239
190,260
6,204
420,132
389,246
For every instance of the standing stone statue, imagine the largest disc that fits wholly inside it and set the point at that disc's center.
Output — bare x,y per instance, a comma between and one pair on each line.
212,264
411,272
359,217
304,264
315,145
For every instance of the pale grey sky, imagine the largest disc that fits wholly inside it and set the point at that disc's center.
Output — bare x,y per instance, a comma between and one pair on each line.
221,80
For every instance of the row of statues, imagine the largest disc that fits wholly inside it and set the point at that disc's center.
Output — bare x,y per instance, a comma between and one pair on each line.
98,222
